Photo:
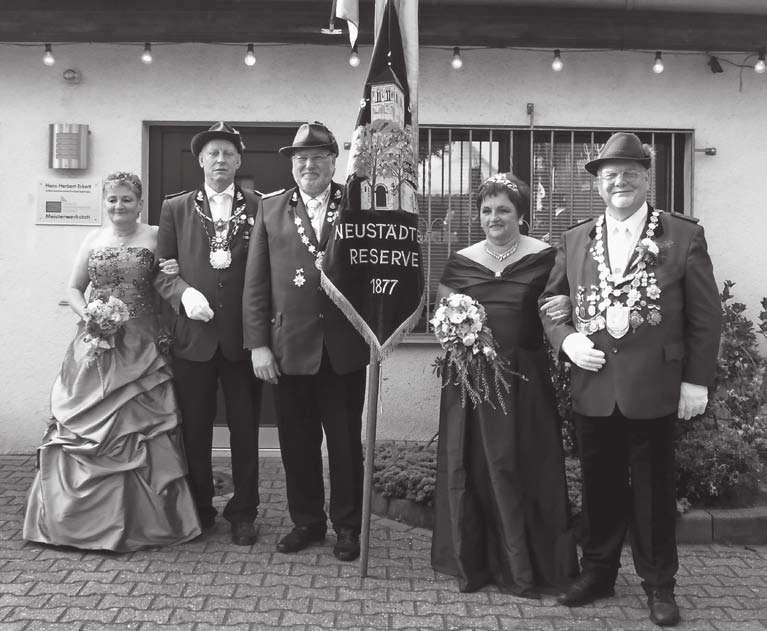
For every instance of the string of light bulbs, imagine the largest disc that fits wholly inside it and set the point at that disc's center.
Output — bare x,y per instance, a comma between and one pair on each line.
658,65
456,57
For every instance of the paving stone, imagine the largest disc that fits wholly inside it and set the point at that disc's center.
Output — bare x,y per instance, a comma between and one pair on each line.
398,621
157,616
256,619
327,605
65,600
42,614
185,616
84,614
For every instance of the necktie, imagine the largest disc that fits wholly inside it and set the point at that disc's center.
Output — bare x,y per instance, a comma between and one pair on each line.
313,209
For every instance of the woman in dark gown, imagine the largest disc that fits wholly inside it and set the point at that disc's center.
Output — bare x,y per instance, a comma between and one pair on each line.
502,512
111,467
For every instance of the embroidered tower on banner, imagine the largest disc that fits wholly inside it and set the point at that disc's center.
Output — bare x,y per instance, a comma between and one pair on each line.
372,266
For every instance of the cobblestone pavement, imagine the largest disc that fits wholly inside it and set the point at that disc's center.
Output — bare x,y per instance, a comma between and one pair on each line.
213,584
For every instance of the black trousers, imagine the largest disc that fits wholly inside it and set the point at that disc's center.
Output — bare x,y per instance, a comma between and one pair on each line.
197,388
629,484
307,404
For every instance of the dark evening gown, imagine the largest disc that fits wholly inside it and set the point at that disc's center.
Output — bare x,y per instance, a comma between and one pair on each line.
111,465
502,513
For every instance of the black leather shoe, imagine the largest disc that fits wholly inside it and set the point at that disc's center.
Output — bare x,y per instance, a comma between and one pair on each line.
586,589
243,533
347,546
663,609
300,537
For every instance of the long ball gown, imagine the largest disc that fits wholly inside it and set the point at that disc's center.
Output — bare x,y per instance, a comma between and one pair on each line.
111,465
502,513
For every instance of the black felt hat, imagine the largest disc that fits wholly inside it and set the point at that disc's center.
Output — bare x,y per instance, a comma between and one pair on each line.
219,130
312,136
620,146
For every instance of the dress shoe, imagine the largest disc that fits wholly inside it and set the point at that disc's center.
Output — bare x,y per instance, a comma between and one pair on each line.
663,609
347,546
585,589
243,533
300,537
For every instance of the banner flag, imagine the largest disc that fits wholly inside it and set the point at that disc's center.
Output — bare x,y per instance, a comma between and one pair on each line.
372,267
349,10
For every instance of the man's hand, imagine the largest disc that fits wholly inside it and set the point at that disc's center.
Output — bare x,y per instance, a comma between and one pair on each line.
264,365
692,400
557,308
580,349
196,305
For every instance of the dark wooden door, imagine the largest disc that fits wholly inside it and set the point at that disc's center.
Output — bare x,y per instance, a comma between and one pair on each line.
173,168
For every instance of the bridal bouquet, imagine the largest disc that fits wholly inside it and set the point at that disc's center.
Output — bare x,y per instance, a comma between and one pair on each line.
471,361
104,317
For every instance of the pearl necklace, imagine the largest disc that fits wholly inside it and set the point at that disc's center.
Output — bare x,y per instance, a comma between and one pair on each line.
502,256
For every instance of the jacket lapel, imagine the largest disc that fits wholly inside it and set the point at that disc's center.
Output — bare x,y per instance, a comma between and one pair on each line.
634,259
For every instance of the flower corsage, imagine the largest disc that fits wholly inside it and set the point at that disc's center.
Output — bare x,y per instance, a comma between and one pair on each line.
104,319
471,360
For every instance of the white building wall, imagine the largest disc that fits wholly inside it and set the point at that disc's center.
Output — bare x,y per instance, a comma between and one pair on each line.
292,84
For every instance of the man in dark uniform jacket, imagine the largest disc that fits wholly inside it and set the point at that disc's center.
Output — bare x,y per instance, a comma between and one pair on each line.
304,344
208,231
643,338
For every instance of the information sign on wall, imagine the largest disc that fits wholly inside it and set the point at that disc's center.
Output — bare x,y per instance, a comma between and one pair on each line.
69,202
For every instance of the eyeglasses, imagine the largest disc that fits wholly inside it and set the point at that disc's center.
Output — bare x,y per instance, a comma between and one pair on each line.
302,159
631,175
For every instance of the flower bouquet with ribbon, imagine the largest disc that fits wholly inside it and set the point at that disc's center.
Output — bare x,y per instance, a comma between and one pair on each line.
471,360
104,318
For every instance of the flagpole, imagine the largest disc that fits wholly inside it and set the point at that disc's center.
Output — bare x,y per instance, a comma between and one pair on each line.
374,381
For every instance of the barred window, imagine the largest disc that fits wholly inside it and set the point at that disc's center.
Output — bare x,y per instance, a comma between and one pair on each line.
453,162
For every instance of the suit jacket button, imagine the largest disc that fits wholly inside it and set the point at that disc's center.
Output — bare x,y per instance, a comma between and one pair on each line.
615,350
220,283
220,306
321,316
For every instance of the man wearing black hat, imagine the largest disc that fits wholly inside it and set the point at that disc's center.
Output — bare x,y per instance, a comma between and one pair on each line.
304,344
208,230
643,341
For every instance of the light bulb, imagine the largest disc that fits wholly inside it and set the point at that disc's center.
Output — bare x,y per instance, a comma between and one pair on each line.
456,61
557,64
250,56
354,57
658,66
48,58
760,66
146,56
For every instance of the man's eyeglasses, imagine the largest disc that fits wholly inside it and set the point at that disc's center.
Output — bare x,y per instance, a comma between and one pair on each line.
630,175
303,159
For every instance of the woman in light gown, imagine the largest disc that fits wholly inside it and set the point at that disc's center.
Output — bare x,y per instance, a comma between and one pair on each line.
111,465
501,507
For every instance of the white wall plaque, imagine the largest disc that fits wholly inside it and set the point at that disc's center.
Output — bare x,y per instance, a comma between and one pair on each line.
69,202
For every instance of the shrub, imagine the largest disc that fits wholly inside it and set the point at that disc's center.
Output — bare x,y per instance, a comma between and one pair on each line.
406,470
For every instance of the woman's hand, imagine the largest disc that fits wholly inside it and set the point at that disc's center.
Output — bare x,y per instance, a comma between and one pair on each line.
557,308
169,267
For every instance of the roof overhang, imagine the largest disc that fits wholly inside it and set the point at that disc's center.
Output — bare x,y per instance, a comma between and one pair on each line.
705,25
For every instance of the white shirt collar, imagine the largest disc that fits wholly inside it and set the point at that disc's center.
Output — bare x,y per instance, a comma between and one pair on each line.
323,197
633,224
229,190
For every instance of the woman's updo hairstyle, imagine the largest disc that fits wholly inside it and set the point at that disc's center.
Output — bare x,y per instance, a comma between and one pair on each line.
515,189
123,178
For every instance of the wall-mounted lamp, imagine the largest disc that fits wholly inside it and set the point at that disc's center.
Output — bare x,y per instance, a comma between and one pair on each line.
709,151
146,56
760,66
658,66
48,58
